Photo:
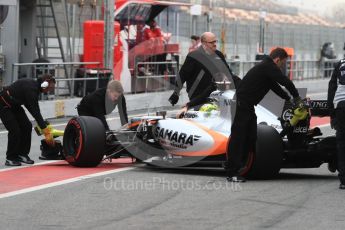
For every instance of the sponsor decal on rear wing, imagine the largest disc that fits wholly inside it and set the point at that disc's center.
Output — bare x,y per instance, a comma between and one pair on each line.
319,108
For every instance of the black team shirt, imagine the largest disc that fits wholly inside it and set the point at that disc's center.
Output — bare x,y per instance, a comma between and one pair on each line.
260,79
26,92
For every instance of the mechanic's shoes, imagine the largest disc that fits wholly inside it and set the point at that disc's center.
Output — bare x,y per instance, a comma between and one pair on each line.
17,161
25,159
11,162
342,186
236,179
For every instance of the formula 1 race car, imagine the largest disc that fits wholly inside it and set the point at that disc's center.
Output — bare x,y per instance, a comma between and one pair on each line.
201,137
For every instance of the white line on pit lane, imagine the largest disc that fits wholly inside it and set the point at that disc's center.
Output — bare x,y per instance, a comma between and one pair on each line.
40,187
26,166
325,125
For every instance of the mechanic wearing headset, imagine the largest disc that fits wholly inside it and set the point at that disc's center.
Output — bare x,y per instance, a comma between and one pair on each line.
23,92
103,101
265,76
199,71
336,104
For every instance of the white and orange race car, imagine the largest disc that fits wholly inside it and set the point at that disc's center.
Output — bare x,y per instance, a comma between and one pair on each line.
201,138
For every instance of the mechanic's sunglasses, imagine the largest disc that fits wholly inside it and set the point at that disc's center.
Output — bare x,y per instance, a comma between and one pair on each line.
212,42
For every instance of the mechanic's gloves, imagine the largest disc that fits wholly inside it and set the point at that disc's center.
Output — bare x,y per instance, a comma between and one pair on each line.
173,99
182,112
49,136
297,101
287,99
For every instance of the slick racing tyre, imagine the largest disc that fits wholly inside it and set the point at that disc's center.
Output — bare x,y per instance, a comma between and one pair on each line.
84,141
268,155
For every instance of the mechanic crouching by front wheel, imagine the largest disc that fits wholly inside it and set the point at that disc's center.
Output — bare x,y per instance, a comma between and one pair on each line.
336,104
265,76
103,101
23,92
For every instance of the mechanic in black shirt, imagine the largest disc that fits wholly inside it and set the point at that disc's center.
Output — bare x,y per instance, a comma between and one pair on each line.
199,71
23,92
336,104
265,76
103,101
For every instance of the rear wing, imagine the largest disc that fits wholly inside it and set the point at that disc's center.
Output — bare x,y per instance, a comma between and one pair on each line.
319,108
273,103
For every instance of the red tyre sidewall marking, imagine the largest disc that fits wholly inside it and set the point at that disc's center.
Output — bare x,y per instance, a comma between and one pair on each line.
76,124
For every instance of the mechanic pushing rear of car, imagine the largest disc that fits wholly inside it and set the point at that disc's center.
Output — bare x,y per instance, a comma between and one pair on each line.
103,101
265,76
23,92
336,104
200,71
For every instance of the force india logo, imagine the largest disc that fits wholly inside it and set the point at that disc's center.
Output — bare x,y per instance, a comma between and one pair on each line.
176,139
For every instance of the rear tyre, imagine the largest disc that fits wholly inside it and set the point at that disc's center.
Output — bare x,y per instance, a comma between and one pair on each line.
268,155
84,141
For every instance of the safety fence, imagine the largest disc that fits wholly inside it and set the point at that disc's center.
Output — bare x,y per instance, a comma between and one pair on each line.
296,70
78,82
154,75
306,70
149,77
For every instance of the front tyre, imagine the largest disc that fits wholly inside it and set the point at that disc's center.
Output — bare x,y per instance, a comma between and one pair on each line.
84,141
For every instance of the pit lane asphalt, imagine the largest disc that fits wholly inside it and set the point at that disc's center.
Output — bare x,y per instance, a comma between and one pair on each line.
151,198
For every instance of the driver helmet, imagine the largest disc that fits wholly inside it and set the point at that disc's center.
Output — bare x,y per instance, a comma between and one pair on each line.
208,107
